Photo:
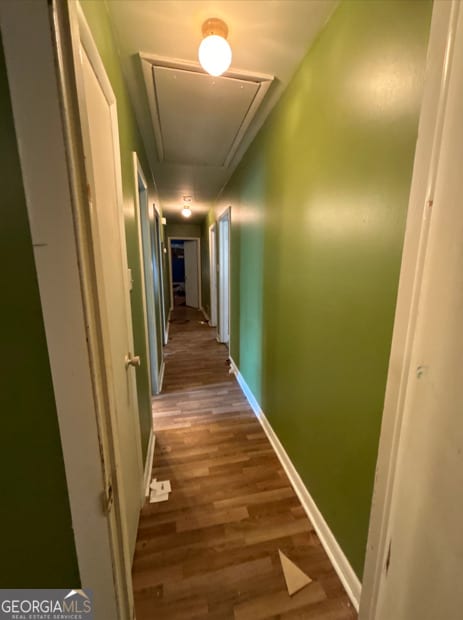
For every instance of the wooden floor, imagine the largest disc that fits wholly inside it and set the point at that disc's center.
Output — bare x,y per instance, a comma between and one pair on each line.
211,550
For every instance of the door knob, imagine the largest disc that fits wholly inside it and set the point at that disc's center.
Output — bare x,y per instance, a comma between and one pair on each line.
132,360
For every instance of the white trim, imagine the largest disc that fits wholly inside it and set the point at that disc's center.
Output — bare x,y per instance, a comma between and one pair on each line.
149,464
169,314
206,316
138,173
340,563
441,38
157,240
223,213
161,375
147,222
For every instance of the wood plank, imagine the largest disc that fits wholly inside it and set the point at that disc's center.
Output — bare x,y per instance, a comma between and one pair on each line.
211,550
255,498
206,518
267,605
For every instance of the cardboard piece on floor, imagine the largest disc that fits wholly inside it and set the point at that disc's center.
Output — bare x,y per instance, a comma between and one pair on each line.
155,497
294,577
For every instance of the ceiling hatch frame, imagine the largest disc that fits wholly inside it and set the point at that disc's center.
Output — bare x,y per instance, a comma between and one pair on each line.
261,83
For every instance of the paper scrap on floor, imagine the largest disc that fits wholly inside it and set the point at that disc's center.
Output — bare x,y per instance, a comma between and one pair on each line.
154,498
163,486
159,491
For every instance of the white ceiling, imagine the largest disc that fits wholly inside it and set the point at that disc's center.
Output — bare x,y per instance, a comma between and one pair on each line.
267,37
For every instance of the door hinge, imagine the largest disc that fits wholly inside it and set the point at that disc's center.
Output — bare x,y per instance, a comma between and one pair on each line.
107,498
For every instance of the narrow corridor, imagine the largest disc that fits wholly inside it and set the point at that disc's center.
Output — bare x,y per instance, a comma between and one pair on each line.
211,550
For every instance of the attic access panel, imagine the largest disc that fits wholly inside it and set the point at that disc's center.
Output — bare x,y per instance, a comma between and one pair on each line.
198,119
200,115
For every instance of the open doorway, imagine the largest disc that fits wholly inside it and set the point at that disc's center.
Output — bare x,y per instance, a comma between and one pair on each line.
185,276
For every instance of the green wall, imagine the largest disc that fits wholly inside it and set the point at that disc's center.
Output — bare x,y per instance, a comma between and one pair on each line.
37,541
97,16
318,214
179,229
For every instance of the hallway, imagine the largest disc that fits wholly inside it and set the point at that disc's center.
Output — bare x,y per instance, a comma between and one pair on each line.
211,550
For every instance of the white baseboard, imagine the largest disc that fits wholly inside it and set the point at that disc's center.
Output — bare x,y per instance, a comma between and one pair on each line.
206,316
161,375
149,464
340,563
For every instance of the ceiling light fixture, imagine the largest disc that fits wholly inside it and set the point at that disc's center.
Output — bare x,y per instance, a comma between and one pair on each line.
186,211
215,53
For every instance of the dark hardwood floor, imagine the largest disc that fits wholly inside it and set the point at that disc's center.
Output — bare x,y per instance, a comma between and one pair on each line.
211,550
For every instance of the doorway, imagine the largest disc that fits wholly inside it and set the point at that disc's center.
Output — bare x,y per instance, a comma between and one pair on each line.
223,334
185,276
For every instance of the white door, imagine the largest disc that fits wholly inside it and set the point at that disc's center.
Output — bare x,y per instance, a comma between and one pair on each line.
213,274
61,218
101,145
190,254
423,572
224,278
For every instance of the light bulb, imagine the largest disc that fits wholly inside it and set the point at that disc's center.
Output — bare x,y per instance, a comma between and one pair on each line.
186,211
215,54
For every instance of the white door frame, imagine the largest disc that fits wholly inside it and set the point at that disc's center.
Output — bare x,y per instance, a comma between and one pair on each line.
213,273
57,202
198,245
124,441
223,332
81,36
441,42
148,293
157,245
